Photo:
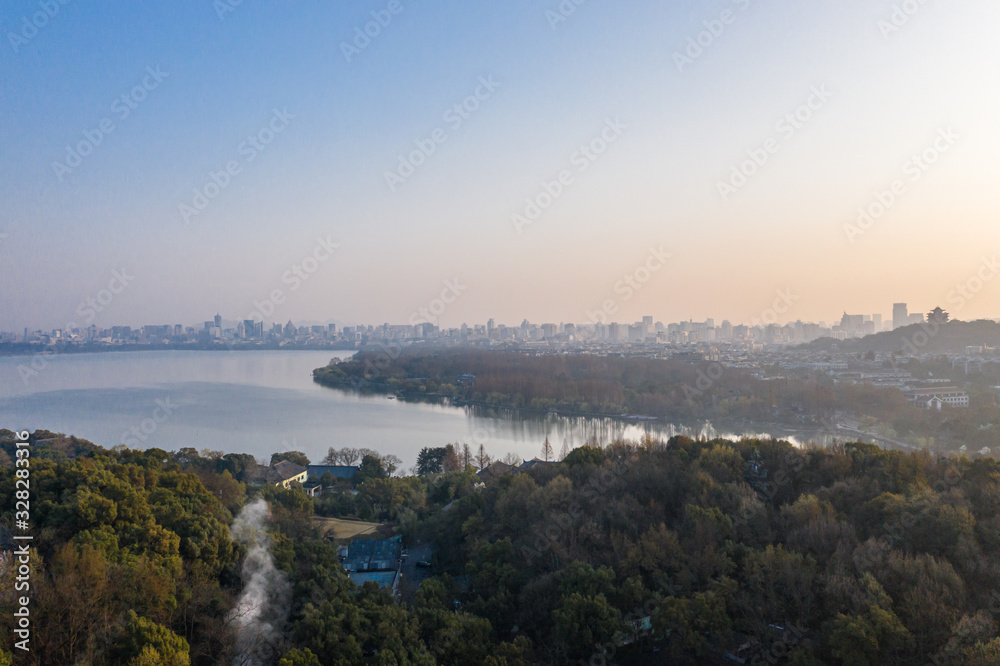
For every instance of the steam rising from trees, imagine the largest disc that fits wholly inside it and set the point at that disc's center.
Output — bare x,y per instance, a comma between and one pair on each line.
263,606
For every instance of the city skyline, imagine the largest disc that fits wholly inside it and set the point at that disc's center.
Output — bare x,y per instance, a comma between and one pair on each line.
101,311
826,150
522,332
851,325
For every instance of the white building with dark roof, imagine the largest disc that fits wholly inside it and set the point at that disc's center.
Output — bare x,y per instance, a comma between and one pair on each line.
938,396
285,473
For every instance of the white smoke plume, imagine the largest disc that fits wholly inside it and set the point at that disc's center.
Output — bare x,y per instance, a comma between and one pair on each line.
263,606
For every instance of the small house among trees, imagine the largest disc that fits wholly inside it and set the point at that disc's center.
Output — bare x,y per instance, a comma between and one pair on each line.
285,473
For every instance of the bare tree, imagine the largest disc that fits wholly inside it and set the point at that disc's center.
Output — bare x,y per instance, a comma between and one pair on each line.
348,456
482,458
369,452
345,456
547,452
391,463
512,459
565,450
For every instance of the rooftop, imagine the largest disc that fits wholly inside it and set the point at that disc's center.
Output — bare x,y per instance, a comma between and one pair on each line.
337,471
284,470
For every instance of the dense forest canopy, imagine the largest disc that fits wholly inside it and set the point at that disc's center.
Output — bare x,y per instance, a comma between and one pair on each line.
668,389
768,552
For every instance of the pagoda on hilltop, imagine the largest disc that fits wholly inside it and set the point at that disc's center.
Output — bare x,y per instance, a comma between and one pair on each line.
937,316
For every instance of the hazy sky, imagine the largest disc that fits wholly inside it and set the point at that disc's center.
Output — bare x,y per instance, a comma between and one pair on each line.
309,115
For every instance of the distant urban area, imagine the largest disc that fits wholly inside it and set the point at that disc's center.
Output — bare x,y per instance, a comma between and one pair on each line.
592,336
934,361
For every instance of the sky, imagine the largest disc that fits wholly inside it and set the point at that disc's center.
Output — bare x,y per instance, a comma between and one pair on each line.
560,162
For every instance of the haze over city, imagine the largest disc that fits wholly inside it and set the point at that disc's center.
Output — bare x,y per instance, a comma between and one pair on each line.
613,111
499,333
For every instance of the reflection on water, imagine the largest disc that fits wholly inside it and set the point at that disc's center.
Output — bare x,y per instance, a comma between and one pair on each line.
576,431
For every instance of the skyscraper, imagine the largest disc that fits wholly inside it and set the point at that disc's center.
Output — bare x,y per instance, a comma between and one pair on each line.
900,316
852,323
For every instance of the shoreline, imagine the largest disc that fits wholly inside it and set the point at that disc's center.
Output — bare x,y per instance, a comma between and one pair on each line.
79,350
734,430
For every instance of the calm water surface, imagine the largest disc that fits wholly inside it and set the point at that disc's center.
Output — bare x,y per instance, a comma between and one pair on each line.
260,402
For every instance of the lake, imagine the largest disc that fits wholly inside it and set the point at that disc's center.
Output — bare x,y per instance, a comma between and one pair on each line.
261,402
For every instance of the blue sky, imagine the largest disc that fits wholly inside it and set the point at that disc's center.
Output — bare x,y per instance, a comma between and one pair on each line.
890,91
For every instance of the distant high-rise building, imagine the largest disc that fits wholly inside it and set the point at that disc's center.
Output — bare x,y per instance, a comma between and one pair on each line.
249,329
900,316
490,325
877,320
852,323
218,321
158,331
426,330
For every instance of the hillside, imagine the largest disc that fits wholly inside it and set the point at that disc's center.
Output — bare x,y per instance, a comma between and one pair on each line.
683,551
952,337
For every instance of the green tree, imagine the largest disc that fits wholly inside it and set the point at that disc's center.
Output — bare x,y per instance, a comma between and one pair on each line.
431,460
242,466
371,468
296,457
983,654
585,455
875,637
584,624
297,657
143,642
